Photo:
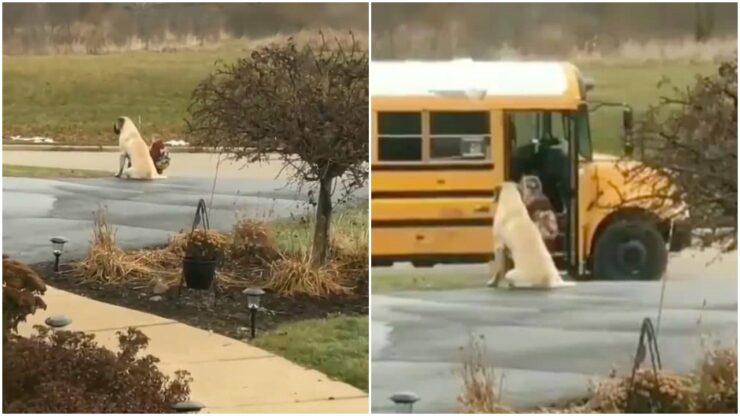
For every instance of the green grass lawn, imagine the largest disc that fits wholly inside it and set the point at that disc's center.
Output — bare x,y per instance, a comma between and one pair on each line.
388,283
337,346
42,172
634,84
75,98
296,235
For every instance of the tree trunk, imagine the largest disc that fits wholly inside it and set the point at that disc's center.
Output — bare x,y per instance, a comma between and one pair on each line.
323,219
704,22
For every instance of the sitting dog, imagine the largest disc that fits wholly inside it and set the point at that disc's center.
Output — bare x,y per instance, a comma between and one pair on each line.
515,232
134,149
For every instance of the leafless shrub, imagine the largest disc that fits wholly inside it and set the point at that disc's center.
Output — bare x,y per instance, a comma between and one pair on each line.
479,389
306,103
252,242
688,146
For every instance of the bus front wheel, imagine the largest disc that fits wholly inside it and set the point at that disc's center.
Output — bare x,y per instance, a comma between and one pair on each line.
630,249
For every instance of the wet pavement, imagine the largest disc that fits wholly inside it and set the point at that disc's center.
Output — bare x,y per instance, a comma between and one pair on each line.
144,212
548,346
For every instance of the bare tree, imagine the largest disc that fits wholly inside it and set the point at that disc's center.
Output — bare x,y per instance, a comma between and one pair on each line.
690,138
306,103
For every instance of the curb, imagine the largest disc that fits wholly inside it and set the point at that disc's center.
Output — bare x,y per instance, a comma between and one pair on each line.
74,148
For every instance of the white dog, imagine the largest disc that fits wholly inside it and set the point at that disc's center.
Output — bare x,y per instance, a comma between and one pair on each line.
515,232
134,149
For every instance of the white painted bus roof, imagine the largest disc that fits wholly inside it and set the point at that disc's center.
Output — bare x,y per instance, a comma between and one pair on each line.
455,77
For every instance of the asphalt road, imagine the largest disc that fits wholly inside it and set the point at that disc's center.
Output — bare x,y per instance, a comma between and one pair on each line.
547,345
144,212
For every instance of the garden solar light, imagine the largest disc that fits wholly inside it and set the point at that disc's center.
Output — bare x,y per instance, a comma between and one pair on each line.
404,401
57,322
58,247
188,406
253,303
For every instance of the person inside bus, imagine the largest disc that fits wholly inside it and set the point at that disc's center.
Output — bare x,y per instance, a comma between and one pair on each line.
544,157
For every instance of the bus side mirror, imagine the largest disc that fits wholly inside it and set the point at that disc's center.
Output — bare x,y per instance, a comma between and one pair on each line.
629,146
627,120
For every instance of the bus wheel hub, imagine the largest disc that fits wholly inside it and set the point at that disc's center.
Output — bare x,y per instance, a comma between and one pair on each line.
632,256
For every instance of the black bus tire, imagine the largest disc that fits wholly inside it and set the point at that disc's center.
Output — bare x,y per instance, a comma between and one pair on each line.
630,249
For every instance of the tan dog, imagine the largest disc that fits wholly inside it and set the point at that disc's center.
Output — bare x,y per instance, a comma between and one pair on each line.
515,231
134,149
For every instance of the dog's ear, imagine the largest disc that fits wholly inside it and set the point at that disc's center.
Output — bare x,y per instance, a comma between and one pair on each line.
118,125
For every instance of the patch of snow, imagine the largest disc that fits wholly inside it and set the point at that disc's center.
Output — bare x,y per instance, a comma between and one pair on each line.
36,139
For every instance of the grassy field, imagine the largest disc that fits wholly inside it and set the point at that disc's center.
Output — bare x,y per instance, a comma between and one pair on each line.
42,172
636,85
76,98
337,346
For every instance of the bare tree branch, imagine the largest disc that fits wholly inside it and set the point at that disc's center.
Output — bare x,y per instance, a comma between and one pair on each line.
307,104
690,139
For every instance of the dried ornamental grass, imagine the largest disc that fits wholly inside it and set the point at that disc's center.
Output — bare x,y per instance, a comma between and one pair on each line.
252,242
479,390
717,382
350,252
107,262
290,276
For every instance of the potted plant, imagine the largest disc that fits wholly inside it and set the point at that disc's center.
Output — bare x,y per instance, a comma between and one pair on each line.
202,252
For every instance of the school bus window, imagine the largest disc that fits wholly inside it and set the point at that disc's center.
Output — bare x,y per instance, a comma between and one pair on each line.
460,135
399,136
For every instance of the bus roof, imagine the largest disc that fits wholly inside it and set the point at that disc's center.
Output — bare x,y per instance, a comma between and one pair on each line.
474,79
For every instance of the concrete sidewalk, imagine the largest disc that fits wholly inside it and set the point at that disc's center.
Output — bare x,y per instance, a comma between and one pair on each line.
229,376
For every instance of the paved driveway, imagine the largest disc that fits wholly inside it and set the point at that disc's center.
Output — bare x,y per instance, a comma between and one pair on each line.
144,212
548,345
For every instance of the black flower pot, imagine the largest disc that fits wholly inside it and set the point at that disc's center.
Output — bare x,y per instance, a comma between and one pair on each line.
198,273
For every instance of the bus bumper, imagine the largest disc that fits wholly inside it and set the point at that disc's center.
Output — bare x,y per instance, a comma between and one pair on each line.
681,236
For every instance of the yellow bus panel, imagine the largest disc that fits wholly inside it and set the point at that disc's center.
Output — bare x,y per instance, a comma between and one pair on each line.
421,181
409,241
432,209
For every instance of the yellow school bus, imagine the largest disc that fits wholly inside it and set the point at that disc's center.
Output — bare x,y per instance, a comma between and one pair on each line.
446,134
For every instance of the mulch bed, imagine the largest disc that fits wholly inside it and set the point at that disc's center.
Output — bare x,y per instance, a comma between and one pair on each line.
229,316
